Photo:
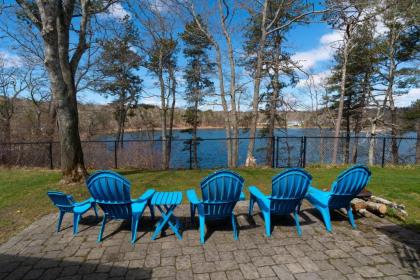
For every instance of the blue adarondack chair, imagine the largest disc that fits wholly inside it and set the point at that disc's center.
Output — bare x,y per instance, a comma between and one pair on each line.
111,192
347,185
220,192
66,204
288,188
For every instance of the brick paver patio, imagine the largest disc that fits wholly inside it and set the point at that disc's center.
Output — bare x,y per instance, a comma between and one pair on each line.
378,249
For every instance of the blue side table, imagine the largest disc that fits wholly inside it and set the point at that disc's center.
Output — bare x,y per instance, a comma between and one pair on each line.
166,202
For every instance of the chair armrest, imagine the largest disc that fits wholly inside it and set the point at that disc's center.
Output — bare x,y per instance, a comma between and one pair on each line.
314,191
138,206
318,197
260,196
145,196
192,197
87,201
242,196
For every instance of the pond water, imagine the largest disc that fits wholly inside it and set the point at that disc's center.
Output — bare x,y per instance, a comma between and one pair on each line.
288,149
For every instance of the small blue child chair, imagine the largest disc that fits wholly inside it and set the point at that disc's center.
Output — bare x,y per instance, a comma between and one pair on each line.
220,193
66,204
288,188
347,185
111,192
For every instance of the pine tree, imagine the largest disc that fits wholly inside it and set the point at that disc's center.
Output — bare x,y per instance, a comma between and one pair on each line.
399,49
197,77
360,75
117,65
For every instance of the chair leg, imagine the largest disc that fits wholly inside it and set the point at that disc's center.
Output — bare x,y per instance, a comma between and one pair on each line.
325,212
192,210
235,230
134,225
267,221
202,228
351,217
296,216
152,210
96,211
101,231
251,205
60,220
76,219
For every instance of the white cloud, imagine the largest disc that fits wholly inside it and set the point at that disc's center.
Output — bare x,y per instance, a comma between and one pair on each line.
405,100
117,11
323,52
10,59
315,79
159,6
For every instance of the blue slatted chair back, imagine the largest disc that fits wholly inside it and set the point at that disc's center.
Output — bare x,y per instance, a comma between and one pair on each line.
288,188
347,185
111,192
221,191
63,201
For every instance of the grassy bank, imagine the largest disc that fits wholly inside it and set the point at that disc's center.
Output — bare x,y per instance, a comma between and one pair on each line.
23,196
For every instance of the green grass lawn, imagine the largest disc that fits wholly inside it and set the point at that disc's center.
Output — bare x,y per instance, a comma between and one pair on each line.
23,196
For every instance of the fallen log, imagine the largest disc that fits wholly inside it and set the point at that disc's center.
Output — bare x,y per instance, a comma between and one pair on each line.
387,202
364,213
400,215
376,208
357,204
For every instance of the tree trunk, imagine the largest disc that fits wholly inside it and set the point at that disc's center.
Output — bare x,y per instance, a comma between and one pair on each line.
194,136
224,103
233,122
372,144
355,148
394,131
163,115
54,23
72,163
390,94
250,159
271,127
341,102
347,143
360,115
172,88
372,140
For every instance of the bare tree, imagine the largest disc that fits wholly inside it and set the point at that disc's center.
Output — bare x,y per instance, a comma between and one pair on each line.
296,13
11,86
344,17
40,95
160,49
55,21
228,102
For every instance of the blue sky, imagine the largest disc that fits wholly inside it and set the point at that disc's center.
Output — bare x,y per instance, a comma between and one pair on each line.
302,41
312,45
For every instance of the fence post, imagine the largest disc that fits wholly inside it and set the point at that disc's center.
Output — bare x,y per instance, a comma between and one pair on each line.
191,154
115,155
277,152
301,153
273,147
304,152
50,155
383,152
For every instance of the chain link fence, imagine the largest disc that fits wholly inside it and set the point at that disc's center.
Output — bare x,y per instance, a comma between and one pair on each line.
277,152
